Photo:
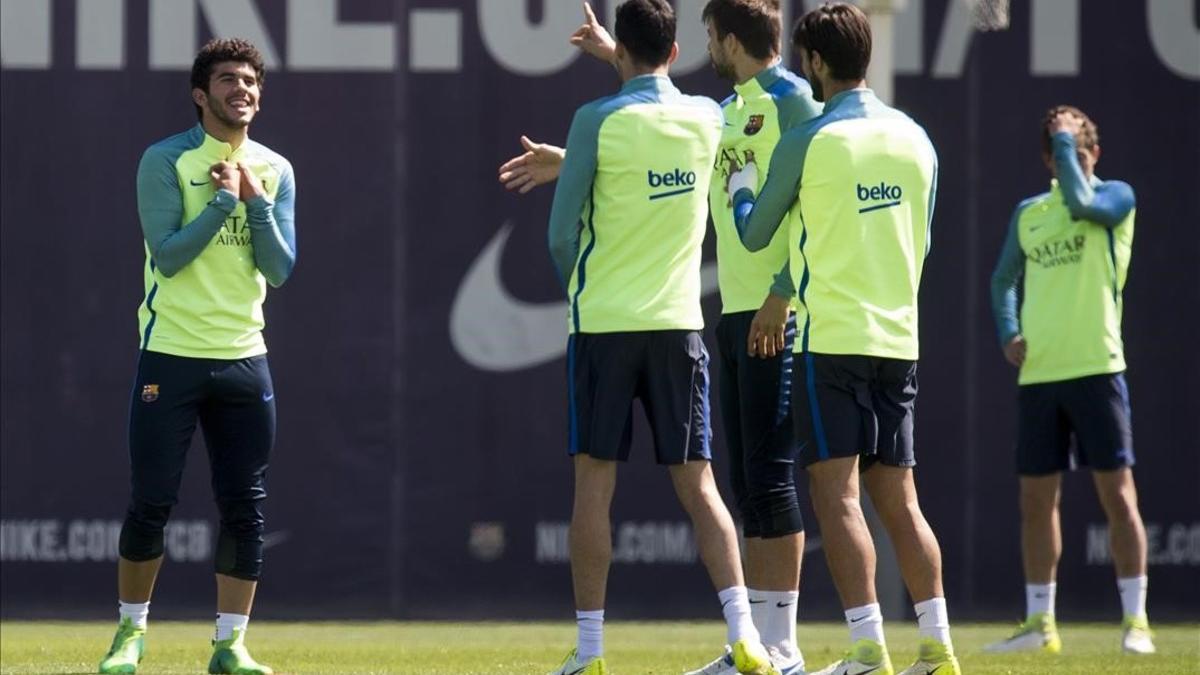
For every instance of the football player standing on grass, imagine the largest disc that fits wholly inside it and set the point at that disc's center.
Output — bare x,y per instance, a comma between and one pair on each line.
1071,246
216,212
756,329
625,234
856,190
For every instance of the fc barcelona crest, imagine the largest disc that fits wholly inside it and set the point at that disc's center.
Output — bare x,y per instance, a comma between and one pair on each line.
754,125
150,393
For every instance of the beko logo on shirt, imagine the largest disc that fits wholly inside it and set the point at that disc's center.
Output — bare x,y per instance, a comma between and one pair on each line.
875,193
684,181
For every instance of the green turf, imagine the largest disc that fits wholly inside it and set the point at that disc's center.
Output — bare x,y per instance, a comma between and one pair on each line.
498,648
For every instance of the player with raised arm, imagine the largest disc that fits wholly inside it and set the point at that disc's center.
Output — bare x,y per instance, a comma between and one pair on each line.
756,329
855,188
217,216
625,235
1071,246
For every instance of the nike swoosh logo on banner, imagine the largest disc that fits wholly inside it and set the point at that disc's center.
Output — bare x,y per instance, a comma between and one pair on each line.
493,330
275,538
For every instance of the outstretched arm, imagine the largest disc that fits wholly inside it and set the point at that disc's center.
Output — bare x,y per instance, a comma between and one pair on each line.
538,165
573,194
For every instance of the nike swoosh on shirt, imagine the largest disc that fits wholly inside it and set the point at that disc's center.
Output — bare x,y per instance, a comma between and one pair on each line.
194,183
493,330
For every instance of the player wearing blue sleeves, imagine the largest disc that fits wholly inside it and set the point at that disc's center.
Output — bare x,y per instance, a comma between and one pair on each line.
217,216
1071,246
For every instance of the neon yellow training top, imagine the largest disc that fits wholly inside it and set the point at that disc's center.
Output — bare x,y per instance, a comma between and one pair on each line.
865,177
630,208
209,256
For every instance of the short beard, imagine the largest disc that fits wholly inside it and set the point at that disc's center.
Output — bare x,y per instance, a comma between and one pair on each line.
818,90
215,109
724,70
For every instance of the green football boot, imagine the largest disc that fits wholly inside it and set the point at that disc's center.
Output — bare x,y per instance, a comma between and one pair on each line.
865,656
1038,633
231,658
1136,636
934,657
127,648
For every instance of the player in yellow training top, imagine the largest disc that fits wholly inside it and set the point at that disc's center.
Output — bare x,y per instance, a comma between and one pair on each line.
1072,247
216,211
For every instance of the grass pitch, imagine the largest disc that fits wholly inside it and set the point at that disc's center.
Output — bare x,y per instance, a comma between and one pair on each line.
501,648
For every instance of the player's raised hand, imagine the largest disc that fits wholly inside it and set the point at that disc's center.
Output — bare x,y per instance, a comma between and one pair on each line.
1066,121
593,38
539,164
1014,351
225,176
250,185
768,329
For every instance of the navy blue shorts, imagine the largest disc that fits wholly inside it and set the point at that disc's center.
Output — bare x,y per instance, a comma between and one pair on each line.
234,404
1093,410
847,405
756,415
666,369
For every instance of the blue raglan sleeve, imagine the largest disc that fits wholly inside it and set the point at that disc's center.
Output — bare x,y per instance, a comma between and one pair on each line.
757,219
160,209
782,286
573,192
1107,204
1010,267
273,230
796,106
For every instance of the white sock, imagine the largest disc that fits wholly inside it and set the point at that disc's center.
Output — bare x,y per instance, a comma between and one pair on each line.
735,605
1133,595
1039,599
136,612
933,621
590,644
866,623
227,623
780,628
758,610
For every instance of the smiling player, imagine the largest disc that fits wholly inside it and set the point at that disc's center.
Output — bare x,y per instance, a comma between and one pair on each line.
216,212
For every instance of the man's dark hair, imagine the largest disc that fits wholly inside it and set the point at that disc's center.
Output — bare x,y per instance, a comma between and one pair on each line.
841,34
755,24
647,30
1088,136
219,51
